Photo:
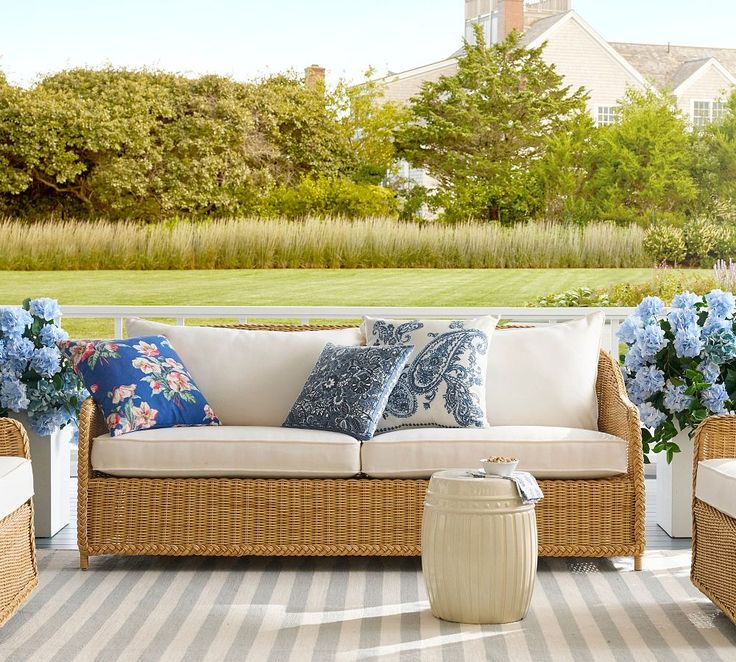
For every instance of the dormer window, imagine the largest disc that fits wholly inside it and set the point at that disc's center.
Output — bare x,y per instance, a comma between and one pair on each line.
705,112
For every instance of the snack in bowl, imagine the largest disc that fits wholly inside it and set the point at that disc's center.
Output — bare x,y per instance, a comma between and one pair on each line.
496,465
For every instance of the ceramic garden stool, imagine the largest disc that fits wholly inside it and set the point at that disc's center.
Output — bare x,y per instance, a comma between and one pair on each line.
479,549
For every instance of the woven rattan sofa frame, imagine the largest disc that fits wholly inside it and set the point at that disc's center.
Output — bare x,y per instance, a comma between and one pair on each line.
713,569
344,517
18,567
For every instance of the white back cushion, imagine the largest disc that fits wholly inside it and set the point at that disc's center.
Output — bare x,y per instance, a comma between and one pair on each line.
545,375
248,377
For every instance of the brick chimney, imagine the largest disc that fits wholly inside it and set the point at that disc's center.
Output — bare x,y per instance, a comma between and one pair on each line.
511,15
314,76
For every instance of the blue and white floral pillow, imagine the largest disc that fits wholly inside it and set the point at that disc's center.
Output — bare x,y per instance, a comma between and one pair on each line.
347,389
140,383
444,381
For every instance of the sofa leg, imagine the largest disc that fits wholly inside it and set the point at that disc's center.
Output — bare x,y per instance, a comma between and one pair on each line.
83,561
638,562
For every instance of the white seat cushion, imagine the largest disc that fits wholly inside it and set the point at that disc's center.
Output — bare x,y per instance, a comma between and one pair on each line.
545,375
546,452
248,377
716,484
228,451
16,484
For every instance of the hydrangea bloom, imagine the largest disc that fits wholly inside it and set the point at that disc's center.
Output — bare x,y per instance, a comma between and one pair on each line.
675,398
46,361
629,328
636,395
714,399
52,334
711,371
651,340
46,309
649,307
686,300
688,343
682,318
650,379
651,417
721,304
720,346
33,375
634,360
14,321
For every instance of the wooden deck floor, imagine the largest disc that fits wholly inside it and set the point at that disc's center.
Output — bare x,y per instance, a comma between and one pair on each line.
656,537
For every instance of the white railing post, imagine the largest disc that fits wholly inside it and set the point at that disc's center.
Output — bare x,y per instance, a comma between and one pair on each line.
119,326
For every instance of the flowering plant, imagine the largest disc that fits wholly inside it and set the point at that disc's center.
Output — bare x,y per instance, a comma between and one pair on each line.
680,366
34,376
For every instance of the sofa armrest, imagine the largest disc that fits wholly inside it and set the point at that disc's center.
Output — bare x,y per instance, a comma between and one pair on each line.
617,415
13,439
91,425
715,438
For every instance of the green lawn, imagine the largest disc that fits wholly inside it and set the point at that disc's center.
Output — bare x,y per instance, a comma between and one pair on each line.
316,287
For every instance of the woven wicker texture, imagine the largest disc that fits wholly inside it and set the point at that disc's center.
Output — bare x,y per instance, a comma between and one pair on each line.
713,569
18,569
330,517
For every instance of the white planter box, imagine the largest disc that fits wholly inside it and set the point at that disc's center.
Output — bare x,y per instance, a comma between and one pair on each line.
675,490
50,462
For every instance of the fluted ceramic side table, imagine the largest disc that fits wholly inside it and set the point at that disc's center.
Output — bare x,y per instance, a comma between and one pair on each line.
479,549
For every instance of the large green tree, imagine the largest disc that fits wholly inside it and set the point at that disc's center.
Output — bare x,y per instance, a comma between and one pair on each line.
479,131
641,165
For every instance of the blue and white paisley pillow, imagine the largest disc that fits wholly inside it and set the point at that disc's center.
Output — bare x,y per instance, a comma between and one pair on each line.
347,389
444,381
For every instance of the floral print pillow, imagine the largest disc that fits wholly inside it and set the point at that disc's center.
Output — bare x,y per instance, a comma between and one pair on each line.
140,383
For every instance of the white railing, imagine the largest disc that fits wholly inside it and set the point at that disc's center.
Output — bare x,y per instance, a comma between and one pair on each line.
313,314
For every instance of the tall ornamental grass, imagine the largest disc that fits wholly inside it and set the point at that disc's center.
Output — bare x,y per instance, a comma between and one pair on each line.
281,244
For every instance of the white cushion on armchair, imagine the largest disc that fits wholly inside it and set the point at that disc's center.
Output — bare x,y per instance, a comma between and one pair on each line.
248,377
716,484
16,483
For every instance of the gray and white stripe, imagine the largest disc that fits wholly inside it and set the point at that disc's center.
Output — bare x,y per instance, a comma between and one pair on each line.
295,609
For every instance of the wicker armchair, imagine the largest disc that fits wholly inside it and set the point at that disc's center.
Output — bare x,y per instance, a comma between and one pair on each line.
350,516
713,569
18,569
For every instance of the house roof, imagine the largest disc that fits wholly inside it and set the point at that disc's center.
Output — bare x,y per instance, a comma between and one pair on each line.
668,66
538,28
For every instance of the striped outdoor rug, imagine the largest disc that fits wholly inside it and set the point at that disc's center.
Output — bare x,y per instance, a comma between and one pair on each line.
353,609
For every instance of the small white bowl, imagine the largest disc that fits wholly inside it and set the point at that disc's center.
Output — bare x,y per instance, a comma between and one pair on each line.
499,468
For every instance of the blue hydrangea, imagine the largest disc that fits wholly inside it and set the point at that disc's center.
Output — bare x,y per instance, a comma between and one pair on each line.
649,307
685,300
714,399
711,371
675,398
721,304
629,328
13,394
682,318
46,361
650,340
688,343
14,321
18,353
713,324
650,416
636,395
650,380
45,422
47,309
51,334
634,360
720,346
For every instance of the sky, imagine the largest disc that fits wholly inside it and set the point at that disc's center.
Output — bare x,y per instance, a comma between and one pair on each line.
246,39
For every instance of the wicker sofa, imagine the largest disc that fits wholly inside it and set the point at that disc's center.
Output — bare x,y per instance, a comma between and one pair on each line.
361,515
713,569
18,569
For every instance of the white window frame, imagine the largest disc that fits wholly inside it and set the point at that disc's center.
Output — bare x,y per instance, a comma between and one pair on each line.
611,110
711,117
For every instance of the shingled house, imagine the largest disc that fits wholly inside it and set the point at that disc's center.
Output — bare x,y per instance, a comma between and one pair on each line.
700,78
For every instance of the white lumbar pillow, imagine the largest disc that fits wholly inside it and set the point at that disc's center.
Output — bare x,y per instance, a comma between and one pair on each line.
249,377
545,375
